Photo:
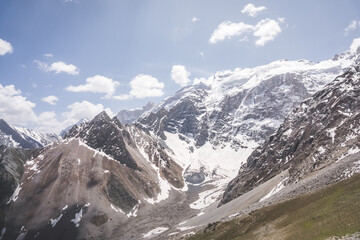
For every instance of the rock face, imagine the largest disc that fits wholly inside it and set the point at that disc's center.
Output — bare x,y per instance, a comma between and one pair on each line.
104,134
24,138
323,129
132,115
12,162
213,127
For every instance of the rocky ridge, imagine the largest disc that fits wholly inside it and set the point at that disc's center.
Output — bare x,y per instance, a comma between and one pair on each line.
322,130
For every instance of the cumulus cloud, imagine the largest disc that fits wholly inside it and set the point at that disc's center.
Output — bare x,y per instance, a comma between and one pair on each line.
352,26
96,84
355,45
50,99
251,10
195,19
143,86
228,30
265,30
180,75
48,55
83,109
5,47
14,107
58,67
47,122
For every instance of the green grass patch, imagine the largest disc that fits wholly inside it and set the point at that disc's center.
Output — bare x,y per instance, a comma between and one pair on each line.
333,211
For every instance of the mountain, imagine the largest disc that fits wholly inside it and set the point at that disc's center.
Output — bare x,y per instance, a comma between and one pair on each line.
66,130
163,176
100,175
213,127
132,115
24,138
323,130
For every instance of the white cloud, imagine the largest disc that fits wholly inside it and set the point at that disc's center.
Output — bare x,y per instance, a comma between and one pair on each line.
58,67
195,19
143,86
5,47
97,84
83,109
47,122
352,26
50,99
180,75
266,30
281,19
355,45
228,30
48,55
15,108
251,10
202,54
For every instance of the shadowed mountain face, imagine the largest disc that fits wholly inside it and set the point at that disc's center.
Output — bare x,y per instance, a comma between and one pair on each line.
322,130
106,135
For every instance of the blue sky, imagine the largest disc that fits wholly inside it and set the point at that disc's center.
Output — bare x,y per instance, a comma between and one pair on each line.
61,60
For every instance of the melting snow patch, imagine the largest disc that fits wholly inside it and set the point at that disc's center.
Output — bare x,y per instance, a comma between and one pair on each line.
234,215
353,150
86,205
174,233
185,228
106,171
77,218
133,212
79,161
53,222
15,195
116,209
274,190
155,232
64,208
208,197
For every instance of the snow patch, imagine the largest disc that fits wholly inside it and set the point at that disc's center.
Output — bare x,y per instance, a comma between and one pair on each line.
15,195
155,232
116,209
276,189
77,218
53,222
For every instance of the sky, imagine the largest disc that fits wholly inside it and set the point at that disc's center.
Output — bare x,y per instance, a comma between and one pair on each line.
61,60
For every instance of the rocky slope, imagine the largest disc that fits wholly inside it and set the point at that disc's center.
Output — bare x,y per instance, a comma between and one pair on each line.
322,130
24,138
132,115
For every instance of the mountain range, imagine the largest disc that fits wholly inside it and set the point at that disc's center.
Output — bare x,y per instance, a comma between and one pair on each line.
164,171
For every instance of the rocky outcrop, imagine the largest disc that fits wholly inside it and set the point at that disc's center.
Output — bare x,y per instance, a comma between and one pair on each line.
323,129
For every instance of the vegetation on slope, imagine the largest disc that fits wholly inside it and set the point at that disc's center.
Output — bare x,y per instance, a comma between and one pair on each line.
333,211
